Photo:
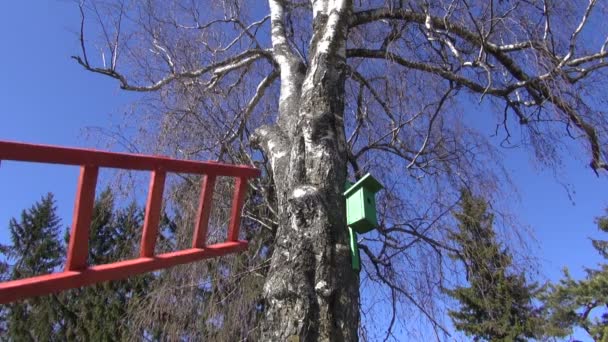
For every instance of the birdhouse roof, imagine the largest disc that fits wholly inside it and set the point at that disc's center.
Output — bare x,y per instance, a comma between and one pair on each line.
368,182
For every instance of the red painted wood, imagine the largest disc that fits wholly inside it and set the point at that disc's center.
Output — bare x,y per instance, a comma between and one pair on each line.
41,285
76,156
78,248
204,209
152,218
77,273
240,190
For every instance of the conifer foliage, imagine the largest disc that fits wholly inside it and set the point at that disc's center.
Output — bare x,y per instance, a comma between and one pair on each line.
35,239
35,249
100,312
497,303
582,303
95,313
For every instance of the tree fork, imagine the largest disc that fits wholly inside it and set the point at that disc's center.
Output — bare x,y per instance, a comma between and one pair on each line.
311,291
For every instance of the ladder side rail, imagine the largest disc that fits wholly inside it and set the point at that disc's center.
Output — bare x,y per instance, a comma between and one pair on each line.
77,156
14,290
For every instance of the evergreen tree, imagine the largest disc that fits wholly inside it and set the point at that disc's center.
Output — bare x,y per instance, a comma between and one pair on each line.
4,276
94,313
497,304
581,303
100,312
35,250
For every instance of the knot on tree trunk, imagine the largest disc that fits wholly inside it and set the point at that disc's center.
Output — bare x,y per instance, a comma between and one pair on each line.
323,289
304,191
305,206
270,139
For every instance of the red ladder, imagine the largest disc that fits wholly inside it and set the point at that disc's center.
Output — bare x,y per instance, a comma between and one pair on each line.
77,272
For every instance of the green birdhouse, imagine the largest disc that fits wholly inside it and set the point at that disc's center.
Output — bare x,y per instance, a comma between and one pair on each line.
361,204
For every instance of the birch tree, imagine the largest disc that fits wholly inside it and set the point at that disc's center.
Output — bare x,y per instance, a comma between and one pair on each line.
315,92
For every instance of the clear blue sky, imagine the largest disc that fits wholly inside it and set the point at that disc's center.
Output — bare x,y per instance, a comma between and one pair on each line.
45,97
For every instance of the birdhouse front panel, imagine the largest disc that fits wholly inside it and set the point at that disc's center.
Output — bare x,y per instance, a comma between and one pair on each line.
361,215
354,208
361,204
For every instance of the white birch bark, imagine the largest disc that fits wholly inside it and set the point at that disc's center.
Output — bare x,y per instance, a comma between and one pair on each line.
311,291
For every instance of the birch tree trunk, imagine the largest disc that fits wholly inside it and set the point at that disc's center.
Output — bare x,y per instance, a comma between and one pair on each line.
307,149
